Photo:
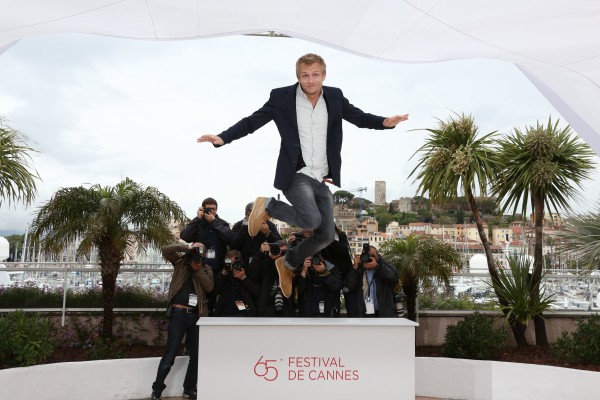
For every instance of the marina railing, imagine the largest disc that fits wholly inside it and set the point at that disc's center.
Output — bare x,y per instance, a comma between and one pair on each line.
574,290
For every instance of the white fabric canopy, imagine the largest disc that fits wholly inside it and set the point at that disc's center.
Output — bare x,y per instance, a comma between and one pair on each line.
555,43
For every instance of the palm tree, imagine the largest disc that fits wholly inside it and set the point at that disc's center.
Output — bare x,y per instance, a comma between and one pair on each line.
523,302
110,219
455,162
420,261
17,175
582,238
543,165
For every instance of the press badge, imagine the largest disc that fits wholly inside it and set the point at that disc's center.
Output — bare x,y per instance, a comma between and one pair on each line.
210,253
240,305
193,301
321,307
370,307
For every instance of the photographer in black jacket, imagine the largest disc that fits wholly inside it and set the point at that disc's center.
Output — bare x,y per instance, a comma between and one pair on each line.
248,245
236,292
319,284
370,286
214,233
271,302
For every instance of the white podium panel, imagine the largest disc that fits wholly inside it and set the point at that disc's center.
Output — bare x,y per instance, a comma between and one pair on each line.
305,358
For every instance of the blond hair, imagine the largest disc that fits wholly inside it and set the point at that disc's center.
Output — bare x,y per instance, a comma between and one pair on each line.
310,59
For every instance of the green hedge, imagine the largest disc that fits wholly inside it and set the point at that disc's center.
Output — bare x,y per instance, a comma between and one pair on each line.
125,297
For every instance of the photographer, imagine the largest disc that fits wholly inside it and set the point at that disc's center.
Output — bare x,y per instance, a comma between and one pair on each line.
236,292
248,245
214,233
370,286
319,285
208,228
191,281
271,302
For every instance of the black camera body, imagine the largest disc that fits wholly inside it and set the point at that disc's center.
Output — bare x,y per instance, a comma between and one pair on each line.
316,260
207,210
237,265
365,257
298,237
275,249
195,254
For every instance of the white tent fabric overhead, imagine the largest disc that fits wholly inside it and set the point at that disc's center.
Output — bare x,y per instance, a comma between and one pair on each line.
555,43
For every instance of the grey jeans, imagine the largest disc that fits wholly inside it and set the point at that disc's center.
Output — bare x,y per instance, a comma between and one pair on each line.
312,208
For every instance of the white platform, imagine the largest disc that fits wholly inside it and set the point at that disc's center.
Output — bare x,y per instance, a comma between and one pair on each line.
300,358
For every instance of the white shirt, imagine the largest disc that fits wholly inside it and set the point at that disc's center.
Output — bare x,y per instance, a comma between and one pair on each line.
312,126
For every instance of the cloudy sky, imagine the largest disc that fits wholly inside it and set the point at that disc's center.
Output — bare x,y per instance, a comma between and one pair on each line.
100,109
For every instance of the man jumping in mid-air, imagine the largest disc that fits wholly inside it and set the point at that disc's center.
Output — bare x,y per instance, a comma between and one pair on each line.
309,117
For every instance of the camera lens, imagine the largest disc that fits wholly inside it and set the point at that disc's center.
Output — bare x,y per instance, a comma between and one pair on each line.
278,301
274,249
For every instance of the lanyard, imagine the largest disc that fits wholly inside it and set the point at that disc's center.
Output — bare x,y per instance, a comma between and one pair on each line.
369,283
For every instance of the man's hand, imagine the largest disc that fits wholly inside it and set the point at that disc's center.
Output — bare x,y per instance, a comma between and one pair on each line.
264,228
209,217
307,263
265,247
214,139
391,122
239,274
371,264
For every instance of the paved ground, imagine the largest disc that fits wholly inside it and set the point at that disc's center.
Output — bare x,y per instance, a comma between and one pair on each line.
417,398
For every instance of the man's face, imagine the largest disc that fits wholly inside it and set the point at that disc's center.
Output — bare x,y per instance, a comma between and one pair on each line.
311,78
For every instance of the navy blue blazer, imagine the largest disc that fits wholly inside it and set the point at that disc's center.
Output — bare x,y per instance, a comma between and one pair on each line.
281,108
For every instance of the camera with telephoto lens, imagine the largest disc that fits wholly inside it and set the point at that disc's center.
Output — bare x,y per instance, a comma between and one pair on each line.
400,300
365,257
278,302
277,297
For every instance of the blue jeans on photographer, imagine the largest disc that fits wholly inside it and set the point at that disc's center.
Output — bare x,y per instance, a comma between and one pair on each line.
312,208
181,323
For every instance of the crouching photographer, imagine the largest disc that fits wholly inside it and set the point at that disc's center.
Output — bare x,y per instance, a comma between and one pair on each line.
319,285
369,286
187,300
271,302
236,291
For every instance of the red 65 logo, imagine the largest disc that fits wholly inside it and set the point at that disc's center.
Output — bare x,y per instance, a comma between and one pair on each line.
263,369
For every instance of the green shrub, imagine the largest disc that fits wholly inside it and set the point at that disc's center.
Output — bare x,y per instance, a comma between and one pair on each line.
475,338
125,297
581,346
105,349
24,339
30,297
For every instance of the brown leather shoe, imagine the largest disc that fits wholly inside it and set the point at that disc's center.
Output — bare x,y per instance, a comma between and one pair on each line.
257,216
285,277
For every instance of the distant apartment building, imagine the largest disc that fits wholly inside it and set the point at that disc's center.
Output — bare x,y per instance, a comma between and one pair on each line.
393,229
380,193
375,239
501,235
368,226
345,218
